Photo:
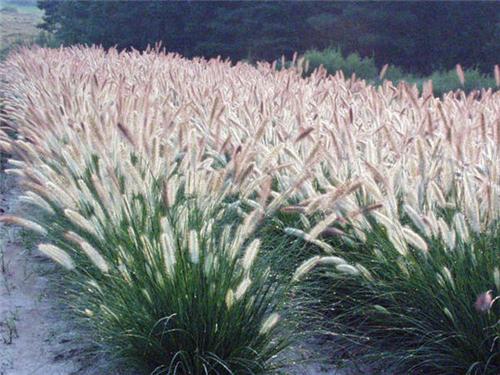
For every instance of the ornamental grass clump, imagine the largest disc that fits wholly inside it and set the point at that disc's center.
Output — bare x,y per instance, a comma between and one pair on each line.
420,236
166,273
186,297
156,227
431,310
154,171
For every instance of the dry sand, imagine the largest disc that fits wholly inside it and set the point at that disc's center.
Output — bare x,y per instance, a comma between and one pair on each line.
33,338
36,338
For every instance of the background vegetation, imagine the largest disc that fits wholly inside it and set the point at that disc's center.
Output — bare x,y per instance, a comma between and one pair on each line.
443,81
355,37
18,26
369,34
419,37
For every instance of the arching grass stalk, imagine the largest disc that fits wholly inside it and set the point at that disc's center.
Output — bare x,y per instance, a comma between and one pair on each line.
166,271
431,310
190,300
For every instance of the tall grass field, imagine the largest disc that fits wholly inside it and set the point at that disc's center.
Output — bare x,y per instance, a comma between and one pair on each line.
204,213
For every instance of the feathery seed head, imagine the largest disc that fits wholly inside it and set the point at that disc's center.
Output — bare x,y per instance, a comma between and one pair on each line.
58,255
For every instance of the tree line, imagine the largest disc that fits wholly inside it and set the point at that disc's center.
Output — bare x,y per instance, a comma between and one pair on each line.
420,37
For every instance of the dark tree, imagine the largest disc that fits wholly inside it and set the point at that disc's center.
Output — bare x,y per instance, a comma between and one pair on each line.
419,36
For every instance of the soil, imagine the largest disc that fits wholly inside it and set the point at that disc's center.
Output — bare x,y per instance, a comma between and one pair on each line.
36,336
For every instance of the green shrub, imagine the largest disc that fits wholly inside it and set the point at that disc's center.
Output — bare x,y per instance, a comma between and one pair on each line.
443,82
333,60
396,74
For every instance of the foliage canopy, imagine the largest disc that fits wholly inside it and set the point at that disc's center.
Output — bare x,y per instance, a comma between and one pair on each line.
418,36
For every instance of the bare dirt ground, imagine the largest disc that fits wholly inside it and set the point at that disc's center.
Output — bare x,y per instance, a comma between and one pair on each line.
36,338
33,338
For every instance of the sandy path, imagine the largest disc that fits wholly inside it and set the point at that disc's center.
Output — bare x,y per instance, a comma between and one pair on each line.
33,338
